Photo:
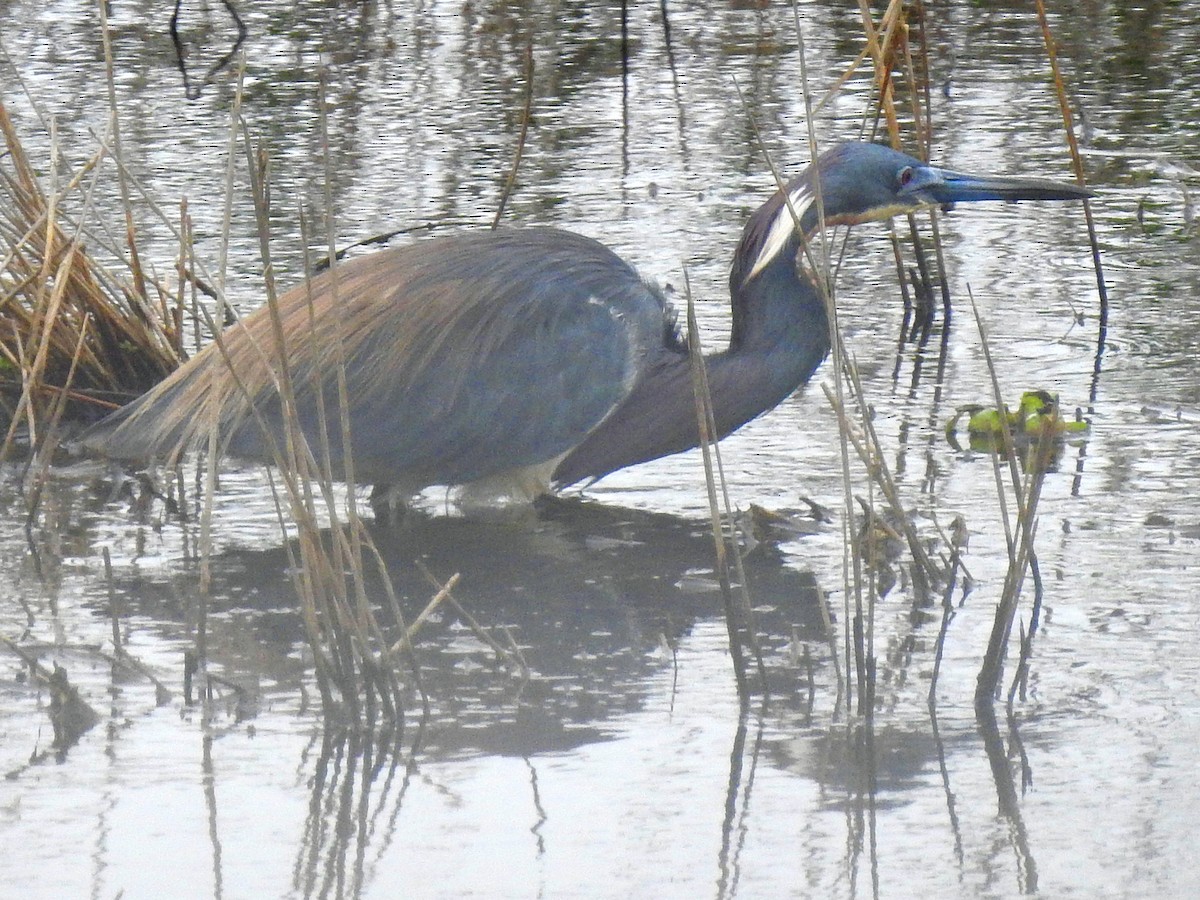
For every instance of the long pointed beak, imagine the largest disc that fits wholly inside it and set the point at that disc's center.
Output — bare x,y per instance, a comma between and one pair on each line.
945,187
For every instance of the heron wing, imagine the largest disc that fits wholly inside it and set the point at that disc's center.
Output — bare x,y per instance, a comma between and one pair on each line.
464,356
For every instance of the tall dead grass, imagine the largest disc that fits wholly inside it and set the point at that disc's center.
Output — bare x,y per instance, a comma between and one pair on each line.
75,328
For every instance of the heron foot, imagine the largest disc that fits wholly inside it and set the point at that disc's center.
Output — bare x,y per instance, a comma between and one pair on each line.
390,503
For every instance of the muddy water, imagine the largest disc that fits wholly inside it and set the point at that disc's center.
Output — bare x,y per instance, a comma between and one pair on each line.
623,766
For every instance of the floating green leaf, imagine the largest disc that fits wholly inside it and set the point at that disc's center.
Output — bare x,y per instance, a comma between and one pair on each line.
1036,415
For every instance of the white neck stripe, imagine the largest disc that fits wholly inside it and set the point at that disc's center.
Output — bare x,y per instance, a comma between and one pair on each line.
782,229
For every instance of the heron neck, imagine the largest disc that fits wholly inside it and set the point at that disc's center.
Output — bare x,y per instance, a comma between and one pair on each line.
779,338
780,335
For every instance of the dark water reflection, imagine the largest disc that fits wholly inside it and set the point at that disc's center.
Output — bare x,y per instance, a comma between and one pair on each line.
597,599
625,766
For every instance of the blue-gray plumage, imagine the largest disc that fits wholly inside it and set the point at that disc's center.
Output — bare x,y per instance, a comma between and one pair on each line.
509,361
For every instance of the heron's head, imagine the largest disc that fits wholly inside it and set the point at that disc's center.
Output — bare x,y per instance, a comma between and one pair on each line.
867,182
861,182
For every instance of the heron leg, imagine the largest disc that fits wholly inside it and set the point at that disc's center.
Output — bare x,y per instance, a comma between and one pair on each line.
512,487
390,503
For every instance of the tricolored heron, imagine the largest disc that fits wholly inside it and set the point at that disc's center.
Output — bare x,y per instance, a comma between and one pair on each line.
517,360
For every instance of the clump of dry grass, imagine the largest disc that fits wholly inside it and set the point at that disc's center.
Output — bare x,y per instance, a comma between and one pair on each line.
74,334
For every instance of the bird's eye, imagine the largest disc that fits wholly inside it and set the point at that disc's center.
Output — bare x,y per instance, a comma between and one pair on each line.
905,176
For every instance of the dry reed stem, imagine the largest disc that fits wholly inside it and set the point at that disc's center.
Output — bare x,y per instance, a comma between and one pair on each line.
49,286
338,631
823,277
868,447
889,39
134,261
506,654
1069,129
443,593
329,579
1026,493
357,531
895,42
511,181
891,22
739,616
70,714
45,452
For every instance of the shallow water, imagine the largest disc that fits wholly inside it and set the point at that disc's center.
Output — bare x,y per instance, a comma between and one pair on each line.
623,765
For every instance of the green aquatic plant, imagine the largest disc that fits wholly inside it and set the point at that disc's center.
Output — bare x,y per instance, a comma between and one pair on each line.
1037,416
